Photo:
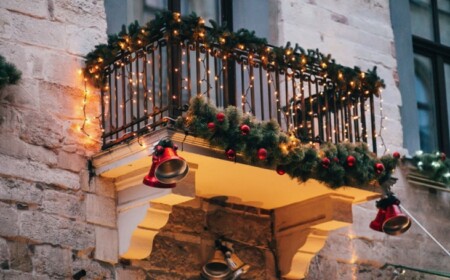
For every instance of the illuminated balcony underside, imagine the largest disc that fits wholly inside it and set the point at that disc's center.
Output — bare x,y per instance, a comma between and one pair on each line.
304,213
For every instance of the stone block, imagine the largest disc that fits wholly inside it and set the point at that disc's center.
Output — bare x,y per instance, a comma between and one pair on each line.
63,204
42,129
172,255
71,161
8,220
20,256
4,254
20,275
9,119
100,210
52,261
19,191
106,245
186,219
103,187
51,229
250,229
84,13
34,9
5,24
33,171
130,273
89,36
22,95
12,146
94,269
59,99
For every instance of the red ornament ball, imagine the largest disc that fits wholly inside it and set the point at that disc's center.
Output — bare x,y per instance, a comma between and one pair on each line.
351,161
325,162
230,153
262,154
245,129
336,159
396,155
443,156
159,150
379,167
220,117
281,170
211,125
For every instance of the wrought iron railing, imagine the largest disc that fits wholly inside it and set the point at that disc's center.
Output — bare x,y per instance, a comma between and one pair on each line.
153,78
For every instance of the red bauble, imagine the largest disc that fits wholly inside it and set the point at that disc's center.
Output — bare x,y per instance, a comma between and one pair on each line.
220,117
231,154
262,154
245,129
211,125
351,161
379,167
159,150
281,170
396,155
326,162
443,156
336,159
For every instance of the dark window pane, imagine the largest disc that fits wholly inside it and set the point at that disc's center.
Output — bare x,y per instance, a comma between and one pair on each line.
207,9
447,87
444,21
426,103
421,18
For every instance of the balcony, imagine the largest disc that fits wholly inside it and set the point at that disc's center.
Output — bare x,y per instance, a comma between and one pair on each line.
147,80
149,76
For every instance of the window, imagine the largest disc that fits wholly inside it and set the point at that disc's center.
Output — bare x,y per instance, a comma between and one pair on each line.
430,27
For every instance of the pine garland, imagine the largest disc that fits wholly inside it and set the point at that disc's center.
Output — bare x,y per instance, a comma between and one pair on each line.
331,164
435,166
191,29
9,74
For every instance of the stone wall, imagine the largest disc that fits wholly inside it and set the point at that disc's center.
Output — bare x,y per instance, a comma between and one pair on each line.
50,215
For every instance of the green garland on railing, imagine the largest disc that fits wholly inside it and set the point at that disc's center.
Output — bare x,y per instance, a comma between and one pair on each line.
192,29
9,74
264,144
435,166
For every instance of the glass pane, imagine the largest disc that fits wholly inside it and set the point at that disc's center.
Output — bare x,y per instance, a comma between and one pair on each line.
447,87
207,9
444,21
421,18
257,20
425,103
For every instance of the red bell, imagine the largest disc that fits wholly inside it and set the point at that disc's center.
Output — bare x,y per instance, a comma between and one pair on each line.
170,168
395,221
377,224
150,179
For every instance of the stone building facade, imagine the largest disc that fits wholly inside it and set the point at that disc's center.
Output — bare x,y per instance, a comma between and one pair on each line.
57,220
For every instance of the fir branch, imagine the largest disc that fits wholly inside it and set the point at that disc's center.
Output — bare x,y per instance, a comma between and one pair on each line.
328,164
9,74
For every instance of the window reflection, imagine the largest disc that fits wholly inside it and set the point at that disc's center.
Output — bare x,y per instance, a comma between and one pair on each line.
425,103
444,21
421,18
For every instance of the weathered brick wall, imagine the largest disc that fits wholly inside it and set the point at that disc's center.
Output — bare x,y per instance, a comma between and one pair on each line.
50,216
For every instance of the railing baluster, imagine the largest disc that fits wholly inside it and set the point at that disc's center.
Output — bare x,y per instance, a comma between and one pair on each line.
356,121
304,124
363,119
287,114
145,87
124,104
319,111
153,78
261,92
137,97
160,79
189,78
243,93
216,81
116,97
372,121
252,89
311,110
225,82
208,71
278,95
269,93
198,74
349,117
335,115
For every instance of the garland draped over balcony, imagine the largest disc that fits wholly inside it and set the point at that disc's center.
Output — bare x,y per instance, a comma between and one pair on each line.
259,143
192,29
263,143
